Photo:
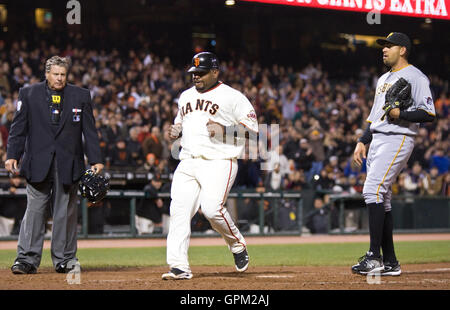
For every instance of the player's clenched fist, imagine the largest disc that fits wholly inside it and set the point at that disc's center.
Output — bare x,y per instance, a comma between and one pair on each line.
214,128
175,131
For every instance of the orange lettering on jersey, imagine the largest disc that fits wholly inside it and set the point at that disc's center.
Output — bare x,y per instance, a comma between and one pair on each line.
199,105
214,109
188,108
207,105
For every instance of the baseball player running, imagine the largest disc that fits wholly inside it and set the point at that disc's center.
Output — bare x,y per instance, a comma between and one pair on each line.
209,113
402,101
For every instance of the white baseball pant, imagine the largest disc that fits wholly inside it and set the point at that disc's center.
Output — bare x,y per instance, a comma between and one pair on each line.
206,183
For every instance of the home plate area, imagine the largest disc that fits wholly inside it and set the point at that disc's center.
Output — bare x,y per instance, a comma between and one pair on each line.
434,276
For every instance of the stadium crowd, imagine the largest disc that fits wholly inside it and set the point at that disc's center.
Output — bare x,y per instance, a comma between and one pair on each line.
134,95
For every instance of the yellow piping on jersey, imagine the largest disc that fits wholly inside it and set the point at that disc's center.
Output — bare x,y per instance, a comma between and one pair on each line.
401,68
382,181
429,113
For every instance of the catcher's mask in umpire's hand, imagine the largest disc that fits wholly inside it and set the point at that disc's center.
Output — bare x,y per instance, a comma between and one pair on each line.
93,187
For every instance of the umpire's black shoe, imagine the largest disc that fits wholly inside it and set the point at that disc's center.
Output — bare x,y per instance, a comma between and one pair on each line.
241,261
368,264
23,268
391,269
67,267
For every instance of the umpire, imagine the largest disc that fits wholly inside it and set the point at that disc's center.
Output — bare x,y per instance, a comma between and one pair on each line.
46,137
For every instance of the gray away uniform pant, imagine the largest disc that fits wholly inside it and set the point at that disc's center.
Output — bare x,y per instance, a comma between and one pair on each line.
388,155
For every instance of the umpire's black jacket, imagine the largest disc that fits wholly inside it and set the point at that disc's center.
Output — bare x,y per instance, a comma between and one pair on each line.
32,140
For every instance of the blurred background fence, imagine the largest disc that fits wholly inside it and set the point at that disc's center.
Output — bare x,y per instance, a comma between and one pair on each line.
119,215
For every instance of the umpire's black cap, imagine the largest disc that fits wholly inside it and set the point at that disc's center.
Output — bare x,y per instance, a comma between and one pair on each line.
396,38
203,62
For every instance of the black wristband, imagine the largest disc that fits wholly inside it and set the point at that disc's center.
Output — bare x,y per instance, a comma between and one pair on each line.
366,138
417,116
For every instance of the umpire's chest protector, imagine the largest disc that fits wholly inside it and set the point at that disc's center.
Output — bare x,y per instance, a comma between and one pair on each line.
65,144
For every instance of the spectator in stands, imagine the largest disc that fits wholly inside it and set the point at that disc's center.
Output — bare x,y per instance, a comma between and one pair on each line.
134,147
433,182
414,180
289,99
398,187
316,142
332,166
304,158
150,165
112,131
2,156
422,144
296,180
354,186
152,207
121,156
152,143
13,207
291,145
440,160
274,179
143,133
323,182
4,80
248,175
442,105
104,148
317,220
276,157
446,185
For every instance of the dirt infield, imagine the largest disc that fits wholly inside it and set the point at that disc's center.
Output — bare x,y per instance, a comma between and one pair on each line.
434,276
423,277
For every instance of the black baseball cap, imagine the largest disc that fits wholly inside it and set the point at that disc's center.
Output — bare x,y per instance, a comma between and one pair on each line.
396,38
203,62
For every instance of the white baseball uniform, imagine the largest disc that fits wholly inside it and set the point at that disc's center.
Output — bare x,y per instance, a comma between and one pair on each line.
393,141
207,168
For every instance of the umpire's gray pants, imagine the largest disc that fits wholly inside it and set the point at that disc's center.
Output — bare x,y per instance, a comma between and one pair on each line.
64,229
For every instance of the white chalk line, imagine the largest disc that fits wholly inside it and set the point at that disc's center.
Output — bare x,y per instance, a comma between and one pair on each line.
275,276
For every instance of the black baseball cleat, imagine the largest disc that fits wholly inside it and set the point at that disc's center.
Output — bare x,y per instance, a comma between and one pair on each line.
391,269
177,274
68,267
23,268
368,264
241,261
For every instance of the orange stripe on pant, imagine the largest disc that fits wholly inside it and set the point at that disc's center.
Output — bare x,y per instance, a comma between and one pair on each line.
223,202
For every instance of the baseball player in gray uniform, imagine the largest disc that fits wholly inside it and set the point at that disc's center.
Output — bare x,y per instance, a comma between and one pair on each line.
391,141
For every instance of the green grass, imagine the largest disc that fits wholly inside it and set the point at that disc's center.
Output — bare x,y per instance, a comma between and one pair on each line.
342,254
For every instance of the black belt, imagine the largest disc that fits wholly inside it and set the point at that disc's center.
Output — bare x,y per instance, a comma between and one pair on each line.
394,133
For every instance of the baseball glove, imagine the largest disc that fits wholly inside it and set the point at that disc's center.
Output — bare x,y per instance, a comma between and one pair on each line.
398,96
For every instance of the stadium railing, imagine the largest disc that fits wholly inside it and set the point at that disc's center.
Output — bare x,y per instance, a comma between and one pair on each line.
411,213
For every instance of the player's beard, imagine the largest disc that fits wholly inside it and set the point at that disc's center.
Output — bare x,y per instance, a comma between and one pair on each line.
199,85
390,61
202,85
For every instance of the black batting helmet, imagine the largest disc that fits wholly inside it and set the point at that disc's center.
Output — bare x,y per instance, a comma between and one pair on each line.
93,187
203,62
